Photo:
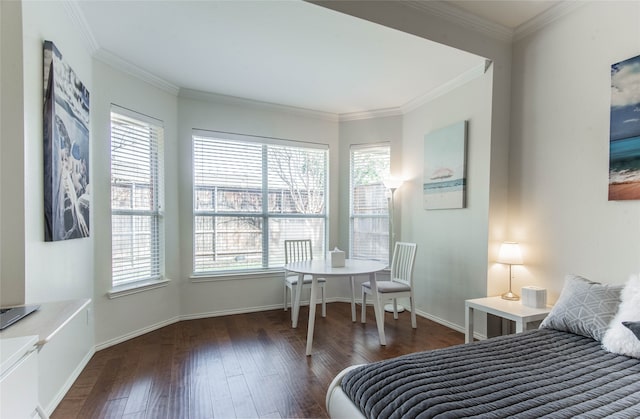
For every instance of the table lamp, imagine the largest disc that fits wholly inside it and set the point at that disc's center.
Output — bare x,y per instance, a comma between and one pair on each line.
510,254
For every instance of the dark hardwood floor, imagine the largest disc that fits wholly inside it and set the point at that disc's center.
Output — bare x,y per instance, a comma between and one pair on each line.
241,366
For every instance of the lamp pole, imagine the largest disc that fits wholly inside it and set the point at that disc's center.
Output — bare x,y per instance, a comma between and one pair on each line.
392,186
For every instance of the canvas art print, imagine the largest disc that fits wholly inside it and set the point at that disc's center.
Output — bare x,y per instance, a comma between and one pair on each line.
445,181
624,138
66,150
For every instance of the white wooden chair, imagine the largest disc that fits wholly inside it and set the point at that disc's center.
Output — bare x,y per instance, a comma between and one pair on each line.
296,251
400,282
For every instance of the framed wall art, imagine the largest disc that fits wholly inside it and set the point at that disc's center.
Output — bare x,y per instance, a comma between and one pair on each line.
66,150
445,178
624,134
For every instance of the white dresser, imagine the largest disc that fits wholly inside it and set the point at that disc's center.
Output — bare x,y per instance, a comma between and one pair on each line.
19,378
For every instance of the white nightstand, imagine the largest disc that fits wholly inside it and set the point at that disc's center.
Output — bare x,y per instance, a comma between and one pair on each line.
510,310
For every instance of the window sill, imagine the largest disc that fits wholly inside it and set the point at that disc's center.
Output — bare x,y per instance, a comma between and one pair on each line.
231,276
136,287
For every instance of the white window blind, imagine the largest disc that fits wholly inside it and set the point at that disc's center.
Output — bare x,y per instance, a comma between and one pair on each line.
369,232
136,197
252,194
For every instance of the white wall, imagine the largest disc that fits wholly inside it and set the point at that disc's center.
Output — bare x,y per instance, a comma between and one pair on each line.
64,269
559,156
130,315
12,285
451,263
232,294
53,270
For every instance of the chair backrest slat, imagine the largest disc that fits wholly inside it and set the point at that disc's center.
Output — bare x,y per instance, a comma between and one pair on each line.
402,263
297,250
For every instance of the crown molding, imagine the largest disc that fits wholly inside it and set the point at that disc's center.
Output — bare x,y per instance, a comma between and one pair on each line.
239,101
77,17
543,19
462,17
120,64
443,89
370,114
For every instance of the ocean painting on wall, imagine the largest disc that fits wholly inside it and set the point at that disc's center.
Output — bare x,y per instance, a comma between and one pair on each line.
66,150
445,181
624,138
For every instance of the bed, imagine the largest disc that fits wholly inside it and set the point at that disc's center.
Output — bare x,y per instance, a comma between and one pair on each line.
568,368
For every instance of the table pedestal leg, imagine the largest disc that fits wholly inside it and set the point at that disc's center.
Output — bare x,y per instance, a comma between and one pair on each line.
312,313
377,309
353,298
296,303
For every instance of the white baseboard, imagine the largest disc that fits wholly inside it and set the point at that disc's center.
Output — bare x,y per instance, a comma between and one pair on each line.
136,333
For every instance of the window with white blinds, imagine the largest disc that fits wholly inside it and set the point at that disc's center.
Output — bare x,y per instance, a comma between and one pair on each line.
369,208
136,197
252,193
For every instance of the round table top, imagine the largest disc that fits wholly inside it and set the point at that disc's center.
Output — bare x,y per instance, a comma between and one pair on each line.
323,267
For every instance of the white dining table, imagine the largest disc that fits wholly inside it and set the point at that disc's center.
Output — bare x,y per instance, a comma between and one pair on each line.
322,269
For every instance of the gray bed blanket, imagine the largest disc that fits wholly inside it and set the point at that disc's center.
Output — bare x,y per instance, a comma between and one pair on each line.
539,374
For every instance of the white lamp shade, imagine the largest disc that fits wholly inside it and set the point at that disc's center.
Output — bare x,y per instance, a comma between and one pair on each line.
392,183
510,254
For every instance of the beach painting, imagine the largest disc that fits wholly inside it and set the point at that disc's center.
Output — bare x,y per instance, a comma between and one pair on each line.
624,137
444,182
66,150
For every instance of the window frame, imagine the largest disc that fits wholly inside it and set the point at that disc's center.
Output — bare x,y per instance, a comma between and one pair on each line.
362,148
264,214
155,275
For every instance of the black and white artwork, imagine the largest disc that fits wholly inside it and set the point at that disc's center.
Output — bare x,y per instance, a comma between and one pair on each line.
66,150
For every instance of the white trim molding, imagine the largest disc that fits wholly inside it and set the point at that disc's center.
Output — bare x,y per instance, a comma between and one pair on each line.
75,14
239,101
543,19
449,86
125,66
464,18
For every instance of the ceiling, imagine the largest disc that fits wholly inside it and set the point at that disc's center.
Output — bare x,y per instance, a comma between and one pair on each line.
290,52
509,13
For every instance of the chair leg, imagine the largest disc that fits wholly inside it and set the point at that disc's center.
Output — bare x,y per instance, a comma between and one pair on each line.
285,297
413,312
324,303
363,311
395,308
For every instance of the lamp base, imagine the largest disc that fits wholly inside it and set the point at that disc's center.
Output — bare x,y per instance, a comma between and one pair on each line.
389,308
510,296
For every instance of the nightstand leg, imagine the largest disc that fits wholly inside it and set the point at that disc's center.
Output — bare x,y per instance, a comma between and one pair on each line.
519,326
468,319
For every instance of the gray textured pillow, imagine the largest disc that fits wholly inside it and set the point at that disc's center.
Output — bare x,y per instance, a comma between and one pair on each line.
584,307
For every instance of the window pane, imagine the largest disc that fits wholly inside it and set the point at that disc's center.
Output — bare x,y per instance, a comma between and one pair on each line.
133,238
281,229
296,180
227,243
232,171
370,238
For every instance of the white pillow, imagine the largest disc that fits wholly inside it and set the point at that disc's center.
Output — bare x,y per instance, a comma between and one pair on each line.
619,338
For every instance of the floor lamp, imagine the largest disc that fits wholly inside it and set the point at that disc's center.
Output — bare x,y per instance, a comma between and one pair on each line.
392,184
